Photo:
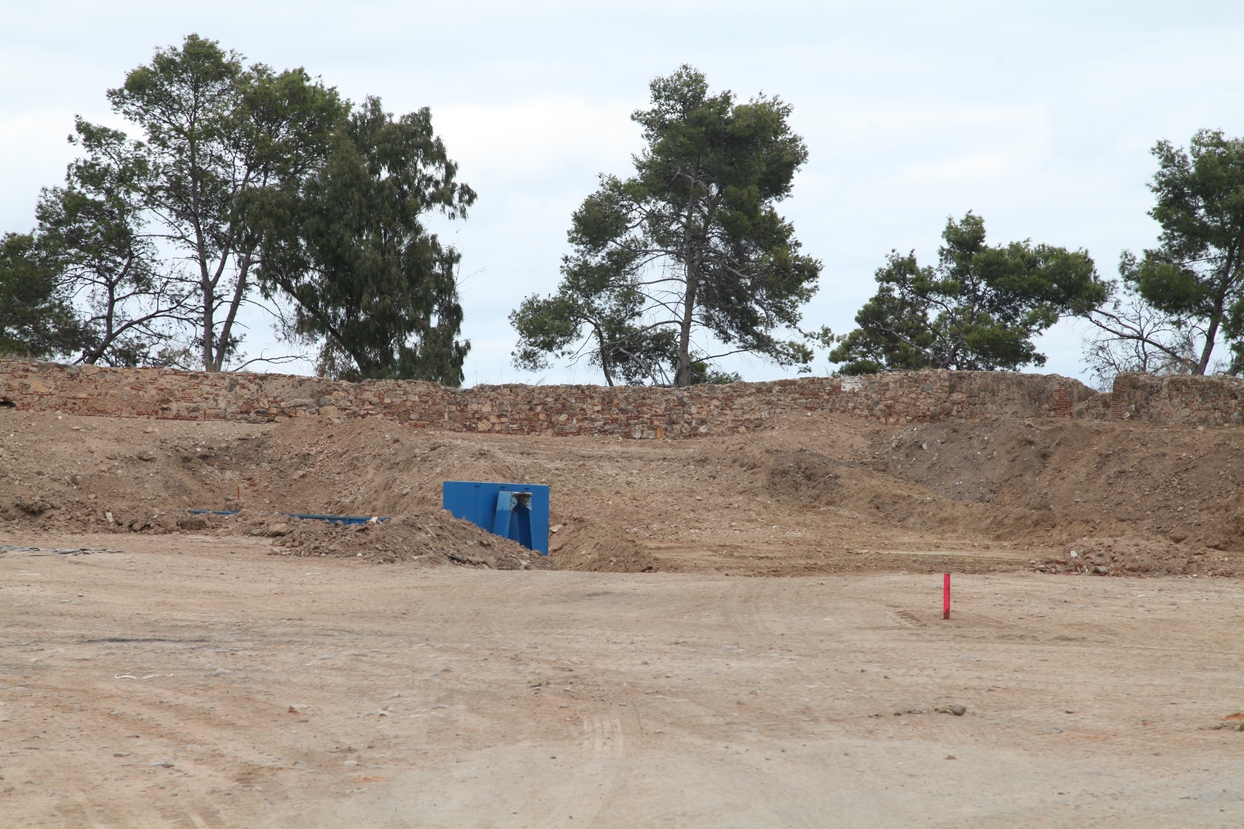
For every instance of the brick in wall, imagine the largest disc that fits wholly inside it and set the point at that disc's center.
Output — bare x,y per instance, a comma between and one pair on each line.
640,413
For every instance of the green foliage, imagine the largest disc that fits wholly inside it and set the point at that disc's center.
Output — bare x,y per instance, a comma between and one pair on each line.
617,342
347,243
1133,336
1196,274
36,319
978,309
244,177
691,244
92,233
216,134
704,373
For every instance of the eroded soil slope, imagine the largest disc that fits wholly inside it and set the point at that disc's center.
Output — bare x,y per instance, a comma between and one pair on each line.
813,494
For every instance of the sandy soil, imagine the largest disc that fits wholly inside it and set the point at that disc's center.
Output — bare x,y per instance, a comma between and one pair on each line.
736,631
201,682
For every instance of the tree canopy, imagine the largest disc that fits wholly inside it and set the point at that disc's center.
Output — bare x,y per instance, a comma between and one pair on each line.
243,186
37,320
978,309
238,186
215,133
93,233
349,246
1176,302
687,260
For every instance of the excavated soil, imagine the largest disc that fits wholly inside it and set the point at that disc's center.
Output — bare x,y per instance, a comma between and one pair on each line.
812,495
167,668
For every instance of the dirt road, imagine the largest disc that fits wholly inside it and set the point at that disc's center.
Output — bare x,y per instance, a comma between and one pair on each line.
187,681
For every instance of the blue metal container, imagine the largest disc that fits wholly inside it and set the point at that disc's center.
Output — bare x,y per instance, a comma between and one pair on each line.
519,512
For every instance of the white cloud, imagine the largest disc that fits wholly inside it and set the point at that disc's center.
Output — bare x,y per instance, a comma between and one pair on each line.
33,155
539,140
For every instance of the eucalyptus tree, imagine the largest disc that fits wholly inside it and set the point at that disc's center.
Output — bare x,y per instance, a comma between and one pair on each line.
242,184
349,244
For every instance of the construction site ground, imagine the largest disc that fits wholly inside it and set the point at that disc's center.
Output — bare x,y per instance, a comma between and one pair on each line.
730,631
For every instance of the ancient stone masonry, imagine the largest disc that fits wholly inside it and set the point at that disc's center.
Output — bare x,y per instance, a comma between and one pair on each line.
1201,401
627,412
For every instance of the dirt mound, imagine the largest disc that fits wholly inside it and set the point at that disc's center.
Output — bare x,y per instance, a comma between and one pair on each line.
97,474
824,493
580,544
429,537
1185,486
1132,556
377,466
802,476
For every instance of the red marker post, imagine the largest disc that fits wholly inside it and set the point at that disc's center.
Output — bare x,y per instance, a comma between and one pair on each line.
946,596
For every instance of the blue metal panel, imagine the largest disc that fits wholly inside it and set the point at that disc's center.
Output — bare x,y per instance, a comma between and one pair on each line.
516,511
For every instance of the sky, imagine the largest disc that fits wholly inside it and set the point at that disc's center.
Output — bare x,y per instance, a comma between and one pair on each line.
1037,116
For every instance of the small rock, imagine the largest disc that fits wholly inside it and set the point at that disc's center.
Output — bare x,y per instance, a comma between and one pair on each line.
35,505
958,710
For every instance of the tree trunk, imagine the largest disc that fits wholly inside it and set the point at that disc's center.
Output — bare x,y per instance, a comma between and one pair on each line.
1212,334
682,374
691,265
604,357
226,328
209,324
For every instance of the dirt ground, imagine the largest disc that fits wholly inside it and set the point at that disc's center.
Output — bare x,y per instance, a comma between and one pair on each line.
159,668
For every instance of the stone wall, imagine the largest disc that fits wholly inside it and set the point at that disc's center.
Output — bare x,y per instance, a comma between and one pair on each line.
631,412
1202,401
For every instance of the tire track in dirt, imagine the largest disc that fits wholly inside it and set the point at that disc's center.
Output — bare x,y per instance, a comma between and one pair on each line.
105,806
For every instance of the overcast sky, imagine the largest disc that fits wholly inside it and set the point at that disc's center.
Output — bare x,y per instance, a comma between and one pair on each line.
1038,116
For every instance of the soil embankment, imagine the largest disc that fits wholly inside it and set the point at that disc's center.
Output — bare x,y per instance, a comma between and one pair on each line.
811,495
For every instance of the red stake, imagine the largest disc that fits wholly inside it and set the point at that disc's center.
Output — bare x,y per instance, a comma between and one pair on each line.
946,596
